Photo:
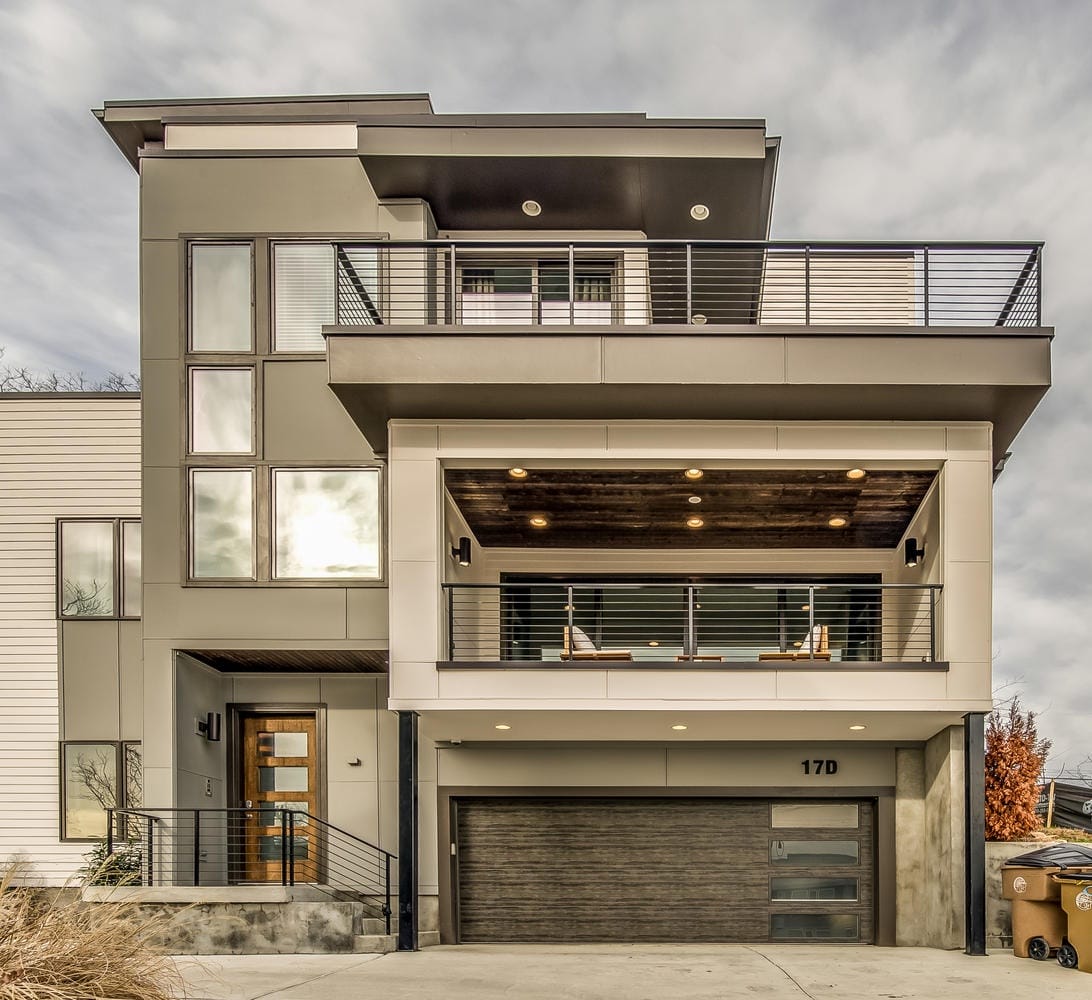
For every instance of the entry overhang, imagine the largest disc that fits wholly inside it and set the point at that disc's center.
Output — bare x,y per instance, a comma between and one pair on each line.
995,374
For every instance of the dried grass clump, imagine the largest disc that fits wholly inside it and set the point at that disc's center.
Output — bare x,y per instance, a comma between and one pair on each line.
63,949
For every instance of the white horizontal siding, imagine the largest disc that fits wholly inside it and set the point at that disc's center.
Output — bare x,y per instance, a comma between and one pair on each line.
58,458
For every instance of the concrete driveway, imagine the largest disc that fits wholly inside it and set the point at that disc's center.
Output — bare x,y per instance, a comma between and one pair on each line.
633,972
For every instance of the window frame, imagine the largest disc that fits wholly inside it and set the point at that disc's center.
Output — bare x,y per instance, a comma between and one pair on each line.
192,369
533,261
380,524
121,790
188,527
118,585
191,245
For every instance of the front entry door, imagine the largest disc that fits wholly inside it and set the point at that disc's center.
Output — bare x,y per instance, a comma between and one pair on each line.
279,760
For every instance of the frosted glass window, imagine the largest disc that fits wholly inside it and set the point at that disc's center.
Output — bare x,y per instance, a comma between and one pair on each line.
813,853
815,815
303,295
130,576
222,411
788,887
221,297
282,744
222,523
87,569
816,926
282,779
326,523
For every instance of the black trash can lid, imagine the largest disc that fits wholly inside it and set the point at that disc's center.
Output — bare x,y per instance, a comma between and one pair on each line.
1055,856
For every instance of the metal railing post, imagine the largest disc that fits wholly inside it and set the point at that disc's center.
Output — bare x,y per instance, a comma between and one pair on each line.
689,282
284,847
811,623
925,283
451,623
1038,286
197,847
387,887
572,286
151,863
691,633
292,845
570,610
452,286
932,625
807,285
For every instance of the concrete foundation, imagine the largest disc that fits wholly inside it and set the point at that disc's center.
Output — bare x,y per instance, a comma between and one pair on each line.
998,909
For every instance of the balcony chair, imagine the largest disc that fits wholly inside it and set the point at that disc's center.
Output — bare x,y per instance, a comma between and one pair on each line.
818,639
582,648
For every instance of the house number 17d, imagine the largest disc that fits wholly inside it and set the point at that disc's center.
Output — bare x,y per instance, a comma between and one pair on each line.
819,766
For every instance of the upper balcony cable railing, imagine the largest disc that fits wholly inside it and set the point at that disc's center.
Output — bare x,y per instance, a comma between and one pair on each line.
759,623
692,283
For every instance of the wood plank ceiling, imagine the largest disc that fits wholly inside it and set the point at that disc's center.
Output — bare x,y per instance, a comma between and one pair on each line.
649,508
296,661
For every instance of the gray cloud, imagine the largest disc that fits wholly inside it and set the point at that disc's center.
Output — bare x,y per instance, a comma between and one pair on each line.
929,120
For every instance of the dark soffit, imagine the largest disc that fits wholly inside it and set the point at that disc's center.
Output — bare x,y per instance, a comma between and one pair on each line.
328,661
648,508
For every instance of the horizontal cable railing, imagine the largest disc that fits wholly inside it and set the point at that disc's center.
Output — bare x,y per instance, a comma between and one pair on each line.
663,282
569,623
263,844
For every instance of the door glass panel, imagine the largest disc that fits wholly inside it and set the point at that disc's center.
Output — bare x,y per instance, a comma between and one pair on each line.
824,926
831,815
808,853
271,814
282,779
282,744
785,887
269,847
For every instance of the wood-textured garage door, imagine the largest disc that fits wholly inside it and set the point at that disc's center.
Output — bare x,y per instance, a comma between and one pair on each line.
668,869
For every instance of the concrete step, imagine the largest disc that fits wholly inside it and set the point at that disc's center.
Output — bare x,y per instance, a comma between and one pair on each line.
374,944
370,926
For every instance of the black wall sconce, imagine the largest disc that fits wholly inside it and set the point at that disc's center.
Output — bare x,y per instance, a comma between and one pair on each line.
209,727
461,552
913,552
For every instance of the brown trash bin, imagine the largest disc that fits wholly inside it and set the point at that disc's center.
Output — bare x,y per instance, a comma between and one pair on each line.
1076,890
1038,920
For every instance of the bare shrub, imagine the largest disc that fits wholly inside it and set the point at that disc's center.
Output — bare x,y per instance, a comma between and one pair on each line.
60,948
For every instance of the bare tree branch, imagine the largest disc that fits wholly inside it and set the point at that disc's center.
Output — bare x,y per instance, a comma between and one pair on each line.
14,379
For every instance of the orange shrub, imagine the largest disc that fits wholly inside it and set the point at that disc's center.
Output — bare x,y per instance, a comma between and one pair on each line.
1015,757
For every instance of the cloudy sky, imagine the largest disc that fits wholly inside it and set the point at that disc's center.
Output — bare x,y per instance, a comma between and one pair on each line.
912,120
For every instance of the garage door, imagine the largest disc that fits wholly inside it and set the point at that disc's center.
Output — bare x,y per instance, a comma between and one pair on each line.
669,869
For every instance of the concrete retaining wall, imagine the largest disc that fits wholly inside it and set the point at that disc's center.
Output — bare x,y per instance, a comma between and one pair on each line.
998,910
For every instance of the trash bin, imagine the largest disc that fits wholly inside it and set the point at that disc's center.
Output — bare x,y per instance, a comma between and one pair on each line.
1039,924
1076,889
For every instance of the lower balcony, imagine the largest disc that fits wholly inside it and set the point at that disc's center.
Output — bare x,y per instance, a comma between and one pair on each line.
714,624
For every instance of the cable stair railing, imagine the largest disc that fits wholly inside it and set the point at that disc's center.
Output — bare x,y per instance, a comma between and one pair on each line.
253,845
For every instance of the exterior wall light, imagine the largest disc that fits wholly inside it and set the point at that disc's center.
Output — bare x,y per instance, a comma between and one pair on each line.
461,552
913,552
210,726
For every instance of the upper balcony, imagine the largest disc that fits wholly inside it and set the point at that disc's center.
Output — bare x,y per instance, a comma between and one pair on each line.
657,329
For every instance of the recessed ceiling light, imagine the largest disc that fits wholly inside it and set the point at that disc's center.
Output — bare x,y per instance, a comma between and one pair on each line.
679,728
518,473
699,213
502,726
531,208
693,499
694,473
699,319
538,521
805,607
798,643
654,642
694,522
838,521
856,474
857,729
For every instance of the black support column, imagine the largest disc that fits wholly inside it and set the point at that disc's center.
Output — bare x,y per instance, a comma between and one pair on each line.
407,831
974,832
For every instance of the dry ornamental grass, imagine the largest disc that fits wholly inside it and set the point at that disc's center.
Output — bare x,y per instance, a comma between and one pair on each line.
63,949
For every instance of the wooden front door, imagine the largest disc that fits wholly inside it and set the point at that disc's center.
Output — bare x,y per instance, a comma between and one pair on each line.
280,772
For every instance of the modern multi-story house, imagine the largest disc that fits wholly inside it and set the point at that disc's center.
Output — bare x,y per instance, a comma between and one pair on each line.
519,522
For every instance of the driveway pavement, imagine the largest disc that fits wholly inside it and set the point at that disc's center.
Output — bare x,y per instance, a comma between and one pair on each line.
633,972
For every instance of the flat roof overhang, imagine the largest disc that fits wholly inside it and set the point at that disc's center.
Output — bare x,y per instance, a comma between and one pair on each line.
995,374
730,724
